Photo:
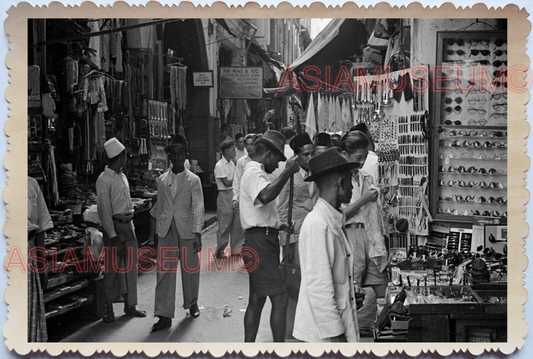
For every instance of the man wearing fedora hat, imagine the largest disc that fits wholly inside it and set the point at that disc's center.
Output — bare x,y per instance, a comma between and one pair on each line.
304,196
261,225
326,309
115,211
179,215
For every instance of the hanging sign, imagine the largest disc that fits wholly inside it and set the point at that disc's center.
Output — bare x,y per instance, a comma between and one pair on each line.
241,83
202,78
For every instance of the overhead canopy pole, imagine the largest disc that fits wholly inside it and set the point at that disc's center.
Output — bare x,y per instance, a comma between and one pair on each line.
99,33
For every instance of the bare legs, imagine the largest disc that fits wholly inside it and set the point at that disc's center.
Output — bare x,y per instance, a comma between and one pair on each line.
252,317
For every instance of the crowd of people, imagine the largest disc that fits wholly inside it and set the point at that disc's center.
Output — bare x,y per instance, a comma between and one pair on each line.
313,199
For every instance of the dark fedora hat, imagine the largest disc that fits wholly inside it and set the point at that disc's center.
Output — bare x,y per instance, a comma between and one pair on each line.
275,140
300,141
331,160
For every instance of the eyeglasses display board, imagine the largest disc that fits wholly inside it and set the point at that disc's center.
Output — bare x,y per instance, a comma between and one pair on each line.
470,148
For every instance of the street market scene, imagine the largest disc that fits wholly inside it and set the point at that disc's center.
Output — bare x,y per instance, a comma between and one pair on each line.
267,180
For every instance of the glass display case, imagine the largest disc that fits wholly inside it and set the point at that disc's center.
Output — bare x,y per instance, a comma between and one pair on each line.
469,167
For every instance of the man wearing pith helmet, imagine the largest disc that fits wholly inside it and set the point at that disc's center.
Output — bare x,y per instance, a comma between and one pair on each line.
115,211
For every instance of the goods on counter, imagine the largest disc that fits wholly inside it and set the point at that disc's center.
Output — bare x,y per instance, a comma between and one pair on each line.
438,295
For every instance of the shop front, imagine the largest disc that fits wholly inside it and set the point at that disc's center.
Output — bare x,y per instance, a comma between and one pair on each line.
433,94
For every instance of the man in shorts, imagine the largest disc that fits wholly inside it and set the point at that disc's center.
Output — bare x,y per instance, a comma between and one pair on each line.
260,221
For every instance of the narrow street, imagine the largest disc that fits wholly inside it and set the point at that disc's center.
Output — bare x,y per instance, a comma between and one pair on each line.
220,288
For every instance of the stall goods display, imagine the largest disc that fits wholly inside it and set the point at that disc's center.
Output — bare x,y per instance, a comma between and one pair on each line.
454,295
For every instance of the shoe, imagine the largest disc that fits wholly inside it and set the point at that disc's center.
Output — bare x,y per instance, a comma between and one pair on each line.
134,312
194,311
109,316
163,323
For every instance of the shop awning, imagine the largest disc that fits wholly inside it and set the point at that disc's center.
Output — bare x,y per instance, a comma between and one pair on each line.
340,40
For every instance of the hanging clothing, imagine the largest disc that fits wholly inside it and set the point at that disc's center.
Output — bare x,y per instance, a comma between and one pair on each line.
310,120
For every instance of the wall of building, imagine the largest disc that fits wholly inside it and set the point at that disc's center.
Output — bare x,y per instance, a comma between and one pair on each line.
424,35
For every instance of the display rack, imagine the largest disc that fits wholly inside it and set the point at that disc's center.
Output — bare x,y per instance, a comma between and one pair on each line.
469,172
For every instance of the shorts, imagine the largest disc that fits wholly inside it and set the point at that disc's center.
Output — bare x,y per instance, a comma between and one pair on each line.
261,256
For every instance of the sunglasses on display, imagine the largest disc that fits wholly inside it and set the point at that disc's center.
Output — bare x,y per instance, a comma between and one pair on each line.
498,96
479,42
480,100
479,111
477,52
458,52
500,52
450,122
500,42
480,122
449,100
456,110
459,42
499,106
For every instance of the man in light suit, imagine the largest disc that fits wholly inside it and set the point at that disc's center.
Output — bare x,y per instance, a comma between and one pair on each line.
326,309
179,215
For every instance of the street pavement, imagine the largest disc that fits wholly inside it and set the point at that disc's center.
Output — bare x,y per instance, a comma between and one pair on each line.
222,300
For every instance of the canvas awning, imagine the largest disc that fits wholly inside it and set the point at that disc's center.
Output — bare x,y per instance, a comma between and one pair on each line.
339,40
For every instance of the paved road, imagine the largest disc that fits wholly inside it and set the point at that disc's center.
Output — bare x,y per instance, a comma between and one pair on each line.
220,288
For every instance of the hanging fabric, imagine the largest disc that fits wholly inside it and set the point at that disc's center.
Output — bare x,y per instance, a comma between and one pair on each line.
338,115
321,113
310,120
346,115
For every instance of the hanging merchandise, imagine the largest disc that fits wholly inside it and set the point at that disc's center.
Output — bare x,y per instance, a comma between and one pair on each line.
346,114
321,114
310,120
72,74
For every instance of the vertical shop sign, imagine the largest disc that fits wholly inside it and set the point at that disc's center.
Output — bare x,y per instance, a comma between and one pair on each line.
241,83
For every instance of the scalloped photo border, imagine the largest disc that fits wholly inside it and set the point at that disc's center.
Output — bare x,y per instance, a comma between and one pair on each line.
16,130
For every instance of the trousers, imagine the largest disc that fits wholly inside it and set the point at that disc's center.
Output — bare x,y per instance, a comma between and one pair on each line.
170,250
229,223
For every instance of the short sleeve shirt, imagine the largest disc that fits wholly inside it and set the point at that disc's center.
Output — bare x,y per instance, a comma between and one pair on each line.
224,169
253,212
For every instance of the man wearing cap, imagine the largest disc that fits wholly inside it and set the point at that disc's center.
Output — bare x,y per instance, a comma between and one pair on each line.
326,309
304,198
115,211
260,221
322,142
229,222
179,214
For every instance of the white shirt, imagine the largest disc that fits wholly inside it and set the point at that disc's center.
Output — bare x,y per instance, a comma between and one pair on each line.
239,170
371,166
240,153
224,169
38,216
173,179
112,197
252,211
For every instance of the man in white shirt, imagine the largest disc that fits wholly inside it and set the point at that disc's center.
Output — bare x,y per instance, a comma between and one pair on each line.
240,149
260,221
326,309
115,211
229,223
239,167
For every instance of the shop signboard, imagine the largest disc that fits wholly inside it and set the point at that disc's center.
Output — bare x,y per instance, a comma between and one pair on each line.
202,78
244,83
